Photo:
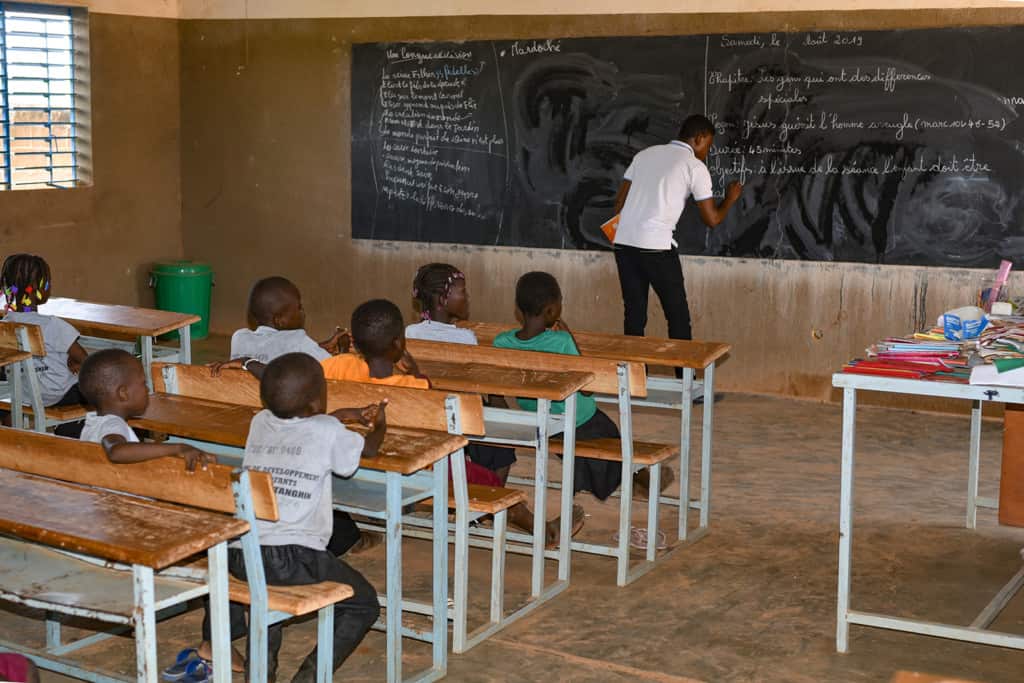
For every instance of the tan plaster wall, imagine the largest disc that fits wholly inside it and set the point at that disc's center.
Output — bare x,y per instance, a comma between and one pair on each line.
266,164
100,239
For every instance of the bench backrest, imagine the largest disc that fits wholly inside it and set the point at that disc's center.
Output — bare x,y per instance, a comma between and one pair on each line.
165,479
413,408
31,339
606,379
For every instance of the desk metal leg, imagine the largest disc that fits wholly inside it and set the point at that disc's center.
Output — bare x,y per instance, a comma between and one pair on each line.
458,469
974,466
705,448
393,604
540,489
219,618
16,379
145,624
686,412
568,486
626,487
846,519
185,345
147,359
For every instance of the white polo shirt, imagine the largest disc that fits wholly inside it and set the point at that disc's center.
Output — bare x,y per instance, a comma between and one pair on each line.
661,177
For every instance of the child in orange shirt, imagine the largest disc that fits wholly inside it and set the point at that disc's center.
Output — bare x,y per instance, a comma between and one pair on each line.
378,335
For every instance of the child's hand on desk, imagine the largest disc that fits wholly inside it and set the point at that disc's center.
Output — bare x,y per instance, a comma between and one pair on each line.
194,456
339,342
378,427
233,364
366,416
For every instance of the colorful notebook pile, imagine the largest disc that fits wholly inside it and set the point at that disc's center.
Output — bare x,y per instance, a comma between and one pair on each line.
923,355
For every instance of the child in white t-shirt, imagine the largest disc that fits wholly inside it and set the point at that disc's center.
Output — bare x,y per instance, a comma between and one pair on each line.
302,448
275,308
25,282
439,290
114,382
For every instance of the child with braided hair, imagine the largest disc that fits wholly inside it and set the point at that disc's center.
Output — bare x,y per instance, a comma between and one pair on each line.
25,282
439,290
440,294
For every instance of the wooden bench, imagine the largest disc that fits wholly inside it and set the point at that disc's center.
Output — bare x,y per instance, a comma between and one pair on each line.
411,409
218,489
616,377
662,392
29,339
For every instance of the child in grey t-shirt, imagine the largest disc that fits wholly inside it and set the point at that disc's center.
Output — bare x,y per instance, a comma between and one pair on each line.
302,448
25,281
275,306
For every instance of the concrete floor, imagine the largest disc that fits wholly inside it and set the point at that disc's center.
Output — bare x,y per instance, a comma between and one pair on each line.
755,600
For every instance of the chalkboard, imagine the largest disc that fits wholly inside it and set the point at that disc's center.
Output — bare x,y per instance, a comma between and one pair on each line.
897,147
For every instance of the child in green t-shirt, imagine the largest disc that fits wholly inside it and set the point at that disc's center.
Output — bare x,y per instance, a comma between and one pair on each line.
539,312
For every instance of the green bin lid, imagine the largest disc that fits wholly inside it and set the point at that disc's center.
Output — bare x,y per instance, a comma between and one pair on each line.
181,268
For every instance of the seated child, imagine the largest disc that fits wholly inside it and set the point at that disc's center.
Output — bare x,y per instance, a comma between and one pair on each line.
442,297
539,311
275,307
380,340
114,382
296,438
25,282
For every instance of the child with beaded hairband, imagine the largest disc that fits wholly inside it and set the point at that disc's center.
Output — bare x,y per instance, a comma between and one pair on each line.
439,290
25,282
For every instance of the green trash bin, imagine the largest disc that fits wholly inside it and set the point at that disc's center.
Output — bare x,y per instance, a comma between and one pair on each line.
184,287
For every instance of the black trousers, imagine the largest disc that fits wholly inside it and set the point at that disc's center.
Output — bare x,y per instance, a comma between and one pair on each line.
641,269
345,533
600,477
72,398
296,565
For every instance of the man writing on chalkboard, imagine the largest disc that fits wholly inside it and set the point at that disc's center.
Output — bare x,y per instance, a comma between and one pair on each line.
649,204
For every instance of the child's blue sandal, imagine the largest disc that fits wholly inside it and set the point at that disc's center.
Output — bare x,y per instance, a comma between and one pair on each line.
178,670
198,671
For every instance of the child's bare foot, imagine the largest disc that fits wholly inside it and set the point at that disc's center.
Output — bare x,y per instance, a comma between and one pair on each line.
367,540
554,526
642,482
205,651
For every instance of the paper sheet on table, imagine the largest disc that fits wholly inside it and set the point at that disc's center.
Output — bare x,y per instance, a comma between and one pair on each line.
987,374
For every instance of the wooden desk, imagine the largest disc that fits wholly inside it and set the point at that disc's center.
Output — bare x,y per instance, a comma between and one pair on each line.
676,353
405,454
108,525
12,357
114,321
115,527
476,378
662,392
404,451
